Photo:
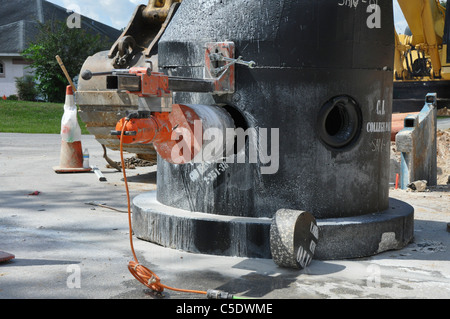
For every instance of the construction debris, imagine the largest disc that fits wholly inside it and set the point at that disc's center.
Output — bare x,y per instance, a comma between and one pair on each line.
418,186
429,246
99,174
103,205
111,163
133,162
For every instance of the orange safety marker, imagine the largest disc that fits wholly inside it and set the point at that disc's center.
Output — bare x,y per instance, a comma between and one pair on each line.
4,257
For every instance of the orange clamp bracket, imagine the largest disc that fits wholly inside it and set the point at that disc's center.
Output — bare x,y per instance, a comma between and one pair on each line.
153,84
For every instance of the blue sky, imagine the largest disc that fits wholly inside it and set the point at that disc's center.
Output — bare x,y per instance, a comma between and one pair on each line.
117,13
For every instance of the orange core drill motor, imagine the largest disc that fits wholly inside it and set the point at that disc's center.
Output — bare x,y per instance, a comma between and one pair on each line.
160,122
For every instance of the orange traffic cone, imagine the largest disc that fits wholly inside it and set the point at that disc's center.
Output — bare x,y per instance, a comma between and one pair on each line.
4,256
71,160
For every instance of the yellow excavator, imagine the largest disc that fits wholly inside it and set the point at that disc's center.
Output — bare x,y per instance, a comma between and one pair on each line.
422,59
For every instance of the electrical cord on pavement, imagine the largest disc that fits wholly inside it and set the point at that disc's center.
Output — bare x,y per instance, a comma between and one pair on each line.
144,275
141,273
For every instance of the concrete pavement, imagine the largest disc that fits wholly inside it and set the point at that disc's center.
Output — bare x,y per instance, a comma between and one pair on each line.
66,249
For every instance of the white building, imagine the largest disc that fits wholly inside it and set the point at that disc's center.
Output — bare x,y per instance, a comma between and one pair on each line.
12,64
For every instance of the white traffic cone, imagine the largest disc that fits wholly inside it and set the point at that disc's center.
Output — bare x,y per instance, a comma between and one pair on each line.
71,160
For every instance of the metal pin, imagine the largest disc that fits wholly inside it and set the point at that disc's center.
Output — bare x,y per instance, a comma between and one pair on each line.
220,57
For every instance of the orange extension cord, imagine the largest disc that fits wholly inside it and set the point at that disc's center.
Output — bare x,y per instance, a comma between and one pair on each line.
141,273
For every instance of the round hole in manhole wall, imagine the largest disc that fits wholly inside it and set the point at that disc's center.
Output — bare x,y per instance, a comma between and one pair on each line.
339,122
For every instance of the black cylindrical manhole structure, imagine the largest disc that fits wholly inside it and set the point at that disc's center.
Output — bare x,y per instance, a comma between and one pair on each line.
318,103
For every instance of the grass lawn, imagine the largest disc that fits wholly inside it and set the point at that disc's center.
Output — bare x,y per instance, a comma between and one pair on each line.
32,117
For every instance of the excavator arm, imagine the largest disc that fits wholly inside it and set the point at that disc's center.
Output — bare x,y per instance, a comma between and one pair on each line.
153,18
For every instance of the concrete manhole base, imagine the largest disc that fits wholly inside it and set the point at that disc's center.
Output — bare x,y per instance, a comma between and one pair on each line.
339,238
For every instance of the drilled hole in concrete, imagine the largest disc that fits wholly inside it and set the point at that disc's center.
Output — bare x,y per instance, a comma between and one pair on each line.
339,122
239,122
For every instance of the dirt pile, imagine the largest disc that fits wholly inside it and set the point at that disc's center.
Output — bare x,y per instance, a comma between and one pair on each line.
443,157
133,162
443,112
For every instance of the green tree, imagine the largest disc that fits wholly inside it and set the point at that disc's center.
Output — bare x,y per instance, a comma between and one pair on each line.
72,45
